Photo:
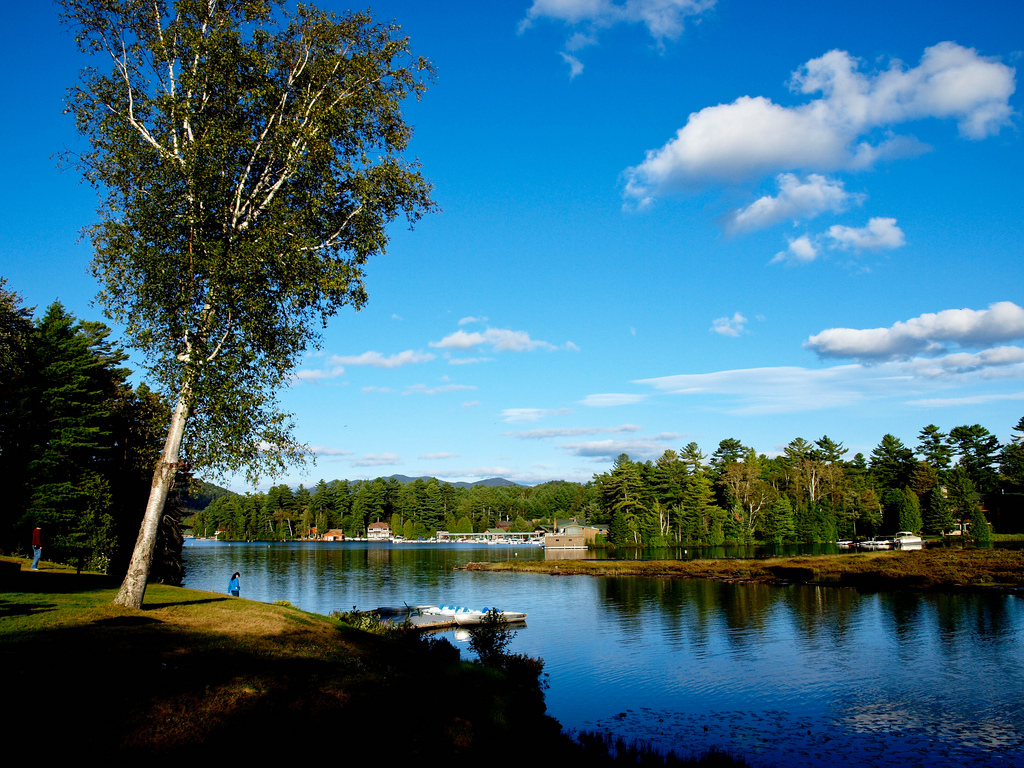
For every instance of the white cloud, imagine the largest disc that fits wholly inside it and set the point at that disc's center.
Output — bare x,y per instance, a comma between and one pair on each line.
801,250
521,415
499,339
469,360
729,326
797,200
928,333
378,389
438,456
423,389
542,434
321,450
318,374
781,389
377,360
608,450
965,362
663,19
471,319
575,65
753,136
877,235
471,404
377,460
946,402
610,399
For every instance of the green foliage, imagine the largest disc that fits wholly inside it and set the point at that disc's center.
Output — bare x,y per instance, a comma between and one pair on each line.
76,441
249,162
490,639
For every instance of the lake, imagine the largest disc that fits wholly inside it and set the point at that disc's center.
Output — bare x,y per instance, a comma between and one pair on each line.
790,676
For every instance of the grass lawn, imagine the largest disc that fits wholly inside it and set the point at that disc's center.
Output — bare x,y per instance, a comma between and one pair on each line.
202,675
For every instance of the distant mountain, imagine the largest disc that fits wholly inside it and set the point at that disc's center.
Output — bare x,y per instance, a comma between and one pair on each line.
490,482
203,496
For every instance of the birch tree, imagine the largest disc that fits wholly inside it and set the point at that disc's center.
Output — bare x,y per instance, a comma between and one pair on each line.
248,161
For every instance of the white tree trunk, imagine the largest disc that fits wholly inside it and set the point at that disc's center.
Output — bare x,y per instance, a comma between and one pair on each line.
133,589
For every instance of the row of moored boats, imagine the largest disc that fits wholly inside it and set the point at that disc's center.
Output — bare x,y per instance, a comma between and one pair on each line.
900,540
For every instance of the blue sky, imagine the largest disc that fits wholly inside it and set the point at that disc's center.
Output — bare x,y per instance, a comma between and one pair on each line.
663,221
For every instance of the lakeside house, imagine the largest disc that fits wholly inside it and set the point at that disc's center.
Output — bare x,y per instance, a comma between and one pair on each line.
378,531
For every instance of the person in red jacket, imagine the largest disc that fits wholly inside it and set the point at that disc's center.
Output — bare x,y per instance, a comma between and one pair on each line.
37,547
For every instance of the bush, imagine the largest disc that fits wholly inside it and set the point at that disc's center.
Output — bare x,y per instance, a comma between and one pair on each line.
490,639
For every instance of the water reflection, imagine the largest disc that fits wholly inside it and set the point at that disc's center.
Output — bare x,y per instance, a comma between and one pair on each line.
794,675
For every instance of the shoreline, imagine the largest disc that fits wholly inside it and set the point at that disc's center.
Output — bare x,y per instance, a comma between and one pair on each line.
970,570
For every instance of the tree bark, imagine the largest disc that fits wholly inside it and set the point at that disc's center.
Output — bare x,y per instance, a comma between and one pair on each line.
133,589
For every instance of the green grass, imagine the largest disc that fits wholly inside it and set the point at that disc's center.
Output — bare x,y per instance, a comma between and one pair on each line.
197,674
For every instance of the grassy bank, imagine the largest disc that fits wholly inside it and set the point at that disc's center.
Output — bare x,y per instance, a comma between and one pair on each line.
938,569
199,675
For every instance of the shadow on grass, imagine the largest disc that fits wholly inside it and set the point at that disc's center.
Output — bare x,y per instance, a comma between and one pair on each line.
58,582
10,610
136,685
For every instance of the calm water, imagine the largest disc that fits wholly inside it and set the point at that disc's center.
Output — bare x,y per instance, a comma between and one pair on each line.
790,676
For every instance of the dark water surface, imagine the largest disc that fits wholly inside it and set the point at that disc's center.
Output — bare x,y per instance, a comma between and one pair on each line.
785,676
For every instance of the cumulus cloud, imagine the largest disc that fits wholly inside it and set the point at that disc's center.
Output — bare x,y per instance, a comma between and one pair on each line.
377,360
797,200
543,434
663,19
609,399
520,415
608,450
499,339
990,360
801,250
471,319
377,460
879,234
318,374
753,136
930,334
729,326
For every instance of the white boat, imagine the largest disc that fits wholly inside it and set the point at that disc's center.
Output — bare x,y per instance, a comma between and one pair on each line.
466,617
471,618
908,540
879,542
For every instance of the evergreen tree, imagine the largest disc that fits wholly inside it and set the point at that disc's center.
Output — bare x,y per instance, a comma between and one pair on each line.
937,517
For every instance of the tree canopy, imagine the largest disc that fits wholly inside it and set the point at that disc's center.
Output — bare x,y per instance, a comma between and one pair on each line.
249,160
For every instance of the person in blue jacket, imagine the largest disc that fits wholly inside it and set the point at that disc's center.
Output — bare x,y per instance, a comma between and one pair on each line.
233,584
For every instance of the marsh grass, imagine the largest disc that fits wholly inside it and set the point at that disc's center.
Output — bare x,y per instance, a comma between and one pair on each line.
936,569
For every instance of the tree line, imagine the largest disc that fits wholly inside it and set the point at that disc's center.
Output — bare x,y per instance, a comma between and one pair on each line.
809,493
78,443
416,509
812,493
